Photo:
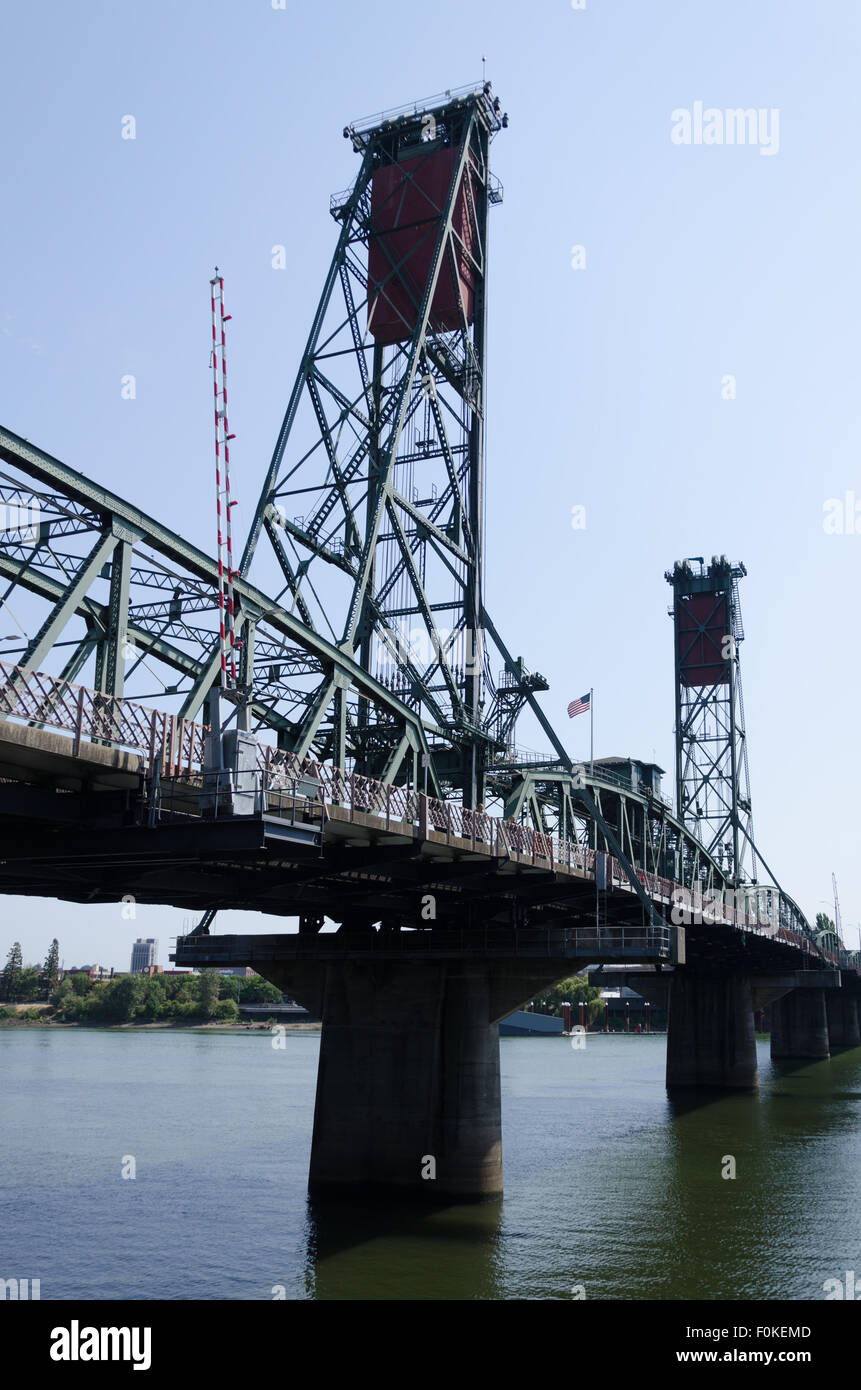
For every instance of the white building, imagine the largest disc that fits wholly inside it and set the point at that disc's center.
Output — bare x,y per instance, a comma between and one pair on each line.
144,955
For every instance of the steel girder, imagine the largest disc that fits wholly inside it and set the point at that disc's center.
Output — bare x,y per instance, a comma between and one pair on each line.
101,585
582,806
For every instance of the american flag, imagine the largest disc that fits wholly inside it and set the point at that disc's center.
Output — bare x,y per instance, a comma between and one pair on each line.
579,706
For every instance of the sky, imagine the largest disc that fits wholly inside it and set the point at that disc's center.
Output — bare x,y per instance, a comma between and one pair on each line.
689,377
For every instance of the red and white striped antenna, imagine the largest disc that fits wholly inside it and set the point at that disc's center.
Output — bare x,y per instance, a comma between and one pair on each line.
223,502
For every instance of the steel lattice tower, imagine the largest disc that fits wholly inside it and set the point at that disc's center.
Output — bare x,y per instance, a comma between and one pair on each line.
712,776
373,501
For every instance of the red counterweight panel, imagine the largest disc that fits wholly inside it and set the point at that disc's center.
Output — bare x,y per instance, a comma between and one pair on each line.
702,629
406,204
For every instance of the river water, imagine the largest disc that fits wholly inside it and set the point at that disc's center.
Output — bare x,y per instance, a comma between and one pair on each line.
608,1184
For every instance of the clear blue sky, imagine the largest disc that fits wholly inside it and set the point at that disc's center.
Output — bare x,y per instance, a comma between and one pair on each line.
605,383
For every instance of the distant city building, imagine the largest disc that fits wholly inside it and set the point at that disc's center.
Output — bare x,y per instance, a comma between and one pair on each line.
243,971
93,972
144,955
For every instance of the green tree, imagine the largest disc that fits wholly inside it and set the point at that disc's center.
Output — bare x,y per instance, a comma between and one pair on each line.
50,972
575,990
227,1011
153,998
229,987
210,980
185,989
824,923
62,992
258,991
29,986
118,1001
10,980
72,1006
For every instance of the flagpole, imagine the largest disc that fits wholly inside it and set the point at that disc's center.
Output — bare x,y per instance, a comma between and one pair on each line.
591,733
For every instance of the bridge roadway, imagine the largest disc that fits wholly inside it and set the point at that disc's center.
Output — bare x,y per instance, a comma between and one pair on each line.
449,920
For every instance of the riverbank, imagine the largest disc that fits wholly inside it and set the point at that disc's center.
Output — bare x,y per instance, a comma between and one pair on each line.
173,1025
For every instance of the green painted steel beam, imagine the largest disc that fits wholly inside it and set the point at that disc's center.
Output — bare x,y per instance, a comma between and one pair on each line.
66,605
37,463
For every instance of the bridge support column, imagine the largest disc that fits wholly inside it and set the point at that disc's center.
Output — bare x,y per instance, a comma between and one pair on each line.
842,1011
408,1081
408,1088
799,1025
710,1034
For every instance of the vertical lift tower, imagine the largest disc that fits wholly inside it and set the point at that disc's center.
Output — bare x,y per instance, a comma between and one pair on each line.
711,1040
712,777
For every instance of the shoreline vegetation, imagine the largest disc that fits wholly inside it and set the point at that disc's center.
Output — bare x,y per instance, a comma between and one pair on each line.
51,997
43,1016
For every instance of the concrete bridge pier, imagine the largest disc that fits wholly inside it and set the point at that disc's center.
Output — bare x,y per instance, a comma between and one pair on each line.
842,1012
799,1025
408,1087
710,1033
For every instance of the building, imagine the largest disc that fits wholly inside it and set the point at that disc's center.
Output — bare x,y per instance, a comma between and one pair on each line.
144,955
93,972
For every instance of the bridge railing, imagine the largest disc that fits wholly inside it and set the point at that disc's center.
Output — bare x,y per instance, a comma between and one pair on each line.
621,941
44,701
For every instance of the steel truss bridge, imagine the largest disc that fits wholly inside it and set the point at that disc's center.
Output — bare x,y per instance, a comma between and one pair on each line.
557,805
380,785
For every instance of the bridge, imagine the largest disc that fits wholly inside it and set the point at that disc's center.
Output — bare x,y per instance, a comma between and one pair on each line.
335,741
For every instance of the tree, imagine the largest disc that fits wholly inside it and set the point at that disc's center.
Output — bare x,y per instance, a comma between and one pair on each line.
10,981
210,980
258,991
29,986
229,987
119,1000
154,997
575,990
74,1007
50,972
185,989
